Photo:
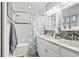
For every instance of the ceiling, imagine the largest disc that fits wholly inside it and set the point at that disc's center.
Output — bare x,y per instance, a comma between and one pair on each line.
23,6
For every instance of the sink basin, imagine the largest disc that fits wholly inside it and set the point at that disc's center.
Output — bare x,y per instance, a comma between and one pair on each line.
70,43
47,36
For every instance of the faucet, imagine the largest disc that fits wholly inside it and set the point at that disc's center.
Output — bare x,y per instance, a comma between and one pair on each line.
74,37
66,35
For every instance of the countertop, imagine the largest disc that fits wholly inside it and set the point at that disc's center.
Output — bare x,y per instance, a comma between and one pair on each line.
72,45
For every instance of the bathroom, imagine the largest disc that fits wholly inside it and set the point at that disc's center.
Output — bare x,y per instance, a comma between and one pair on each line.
40,29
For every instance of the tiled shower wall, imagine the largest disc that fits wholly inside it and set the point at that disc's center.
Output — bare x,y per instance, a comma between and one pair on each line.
23,32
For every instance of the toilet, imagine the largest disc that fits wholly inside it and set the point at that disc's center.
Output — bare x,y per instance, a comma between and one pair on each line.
21,50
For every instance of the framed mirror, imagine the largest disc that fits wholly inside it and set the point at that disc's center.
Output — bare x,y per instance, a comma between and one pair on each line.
9,10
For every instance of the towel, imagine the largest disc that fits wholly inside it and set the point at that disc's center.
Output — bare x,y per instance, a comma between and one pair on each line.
13,38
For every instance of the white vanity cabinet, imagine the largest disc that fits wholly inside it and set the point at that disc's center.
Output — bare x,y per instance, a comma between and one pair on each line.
46,48
68,53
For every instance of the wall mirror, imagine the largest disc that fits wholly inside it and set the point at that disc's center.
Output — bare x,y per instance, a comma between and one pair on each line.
74,18
9,10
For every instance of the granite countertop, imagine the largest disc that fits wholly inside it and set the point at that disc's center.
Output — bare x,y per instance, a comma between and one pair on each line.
72,45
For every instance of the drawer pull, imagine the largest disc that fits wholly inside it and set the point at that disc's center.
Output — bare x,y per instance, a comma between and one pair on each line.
46,50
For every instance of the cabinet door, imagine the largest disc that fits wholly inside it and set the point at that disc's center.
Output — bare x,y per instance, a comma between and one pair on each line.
68,53
41,53
51,53
40,48
50,45
0,29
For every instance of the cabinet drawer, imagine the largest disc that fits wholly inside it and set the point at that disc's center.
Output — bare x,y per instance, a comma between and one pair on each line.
41,52
45,51
50,45
68,53
51,53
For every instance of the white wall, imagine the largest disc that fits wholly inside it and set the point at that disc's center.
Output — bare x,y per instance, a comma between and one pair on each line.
5,32
22,17
0,28
23,30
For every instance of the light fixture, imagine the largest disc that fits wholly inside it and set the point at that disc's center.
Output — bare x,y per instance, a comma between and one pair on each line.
29,6
63,3
68,4
51,11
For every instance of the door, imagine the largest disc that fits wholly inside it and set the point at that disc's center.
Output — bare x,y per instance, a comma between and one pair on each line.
0,29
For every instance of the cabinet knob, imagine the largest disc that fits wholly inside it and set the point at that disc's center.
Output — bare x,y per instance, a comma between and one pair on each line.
46,50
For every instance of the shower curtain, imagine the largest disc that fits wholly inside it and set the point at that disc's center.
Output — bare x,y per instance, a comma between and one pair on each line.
37,22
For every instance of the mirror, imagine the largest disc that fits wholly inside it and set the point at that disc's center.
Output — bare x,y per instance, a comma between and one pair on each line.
9,10
74,18
53,21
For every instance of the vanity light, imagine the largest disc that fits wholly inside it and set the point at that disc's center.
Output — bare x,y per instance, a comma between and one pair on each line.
54,8
68,4
51,13
29,6
63,3
51,10
47,12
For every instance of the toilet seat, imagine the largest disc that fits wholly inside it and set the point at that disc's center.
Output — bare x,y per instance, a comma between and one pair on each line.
21,50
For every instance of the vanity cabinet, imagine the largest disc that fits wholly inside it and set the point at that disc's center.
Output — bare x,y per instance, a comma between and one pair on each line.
71,18
46,48
68,53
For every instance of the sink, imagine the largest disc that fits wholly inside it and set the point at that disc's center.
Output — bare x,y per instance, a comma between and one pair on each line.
70,43
64,41
48,36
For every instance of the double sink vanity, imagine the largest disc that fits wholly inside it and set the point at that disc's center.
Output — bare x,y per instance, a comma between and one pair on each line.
48,46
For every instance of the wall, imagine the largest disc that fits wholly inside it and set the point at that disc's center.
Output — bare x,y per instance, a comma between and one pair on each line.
23,30
22,17
0,28
5,31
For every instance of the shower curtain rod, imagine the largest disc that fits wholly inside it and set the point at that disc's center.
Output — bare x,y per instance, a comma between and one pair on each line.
27,12
21,23
16,22
24,12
